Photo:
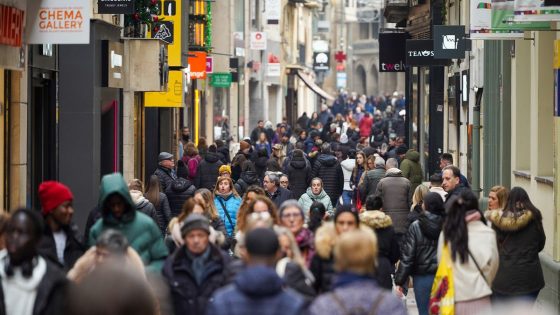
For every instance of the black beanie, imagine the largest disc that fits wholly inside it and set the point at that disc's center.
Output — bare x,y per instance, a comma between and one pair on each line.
262,242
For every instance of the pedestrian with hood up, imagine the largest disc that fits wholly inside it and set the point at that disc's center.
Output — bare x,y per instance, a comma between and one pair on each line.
299,173
195,271
248,178
411,168
473,253
355,290
258,289
179,191
316,193
208,169
161,204
329,170
119,213
166,170
223,151
521,237
60,244
31,284
136,188
389,251
419,251
395,192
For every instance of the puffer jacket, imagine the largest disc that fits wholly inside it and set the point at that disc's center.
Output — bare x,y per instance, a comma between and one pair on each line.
140,230
208,171
520,239
307,199
395,191
246,179
419,248
231,203
163,212
143,205
369,184
177,193
347,168
329,170
387,244
299,175
411,168
165,176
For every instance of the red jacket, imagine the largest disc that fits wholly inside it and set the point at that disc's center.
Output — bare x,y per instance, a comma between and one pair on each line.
365,126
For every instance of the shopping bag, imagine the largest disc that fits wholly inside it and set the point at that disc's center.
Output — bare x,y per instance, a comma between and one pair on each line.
442,296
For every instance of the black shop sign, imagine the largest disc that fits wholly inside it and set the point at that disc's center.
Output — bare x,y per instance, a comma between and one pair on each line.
115,6
420,52
392,52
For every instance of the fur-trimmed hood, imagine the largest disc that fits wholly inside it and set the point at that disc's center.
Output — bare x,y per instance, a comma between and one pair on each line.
376,219
325,238
507,221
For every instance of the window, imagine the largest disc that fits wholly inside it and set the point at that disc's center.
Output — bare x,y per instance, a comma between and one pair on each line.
364,30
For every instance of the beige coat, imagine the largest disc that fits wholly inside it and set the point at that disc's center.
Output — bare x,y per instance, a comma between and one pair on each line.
89,261
469,283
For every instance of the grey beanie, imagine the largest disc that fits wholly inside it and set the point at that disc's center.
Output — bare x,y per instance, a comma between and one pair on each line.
195,221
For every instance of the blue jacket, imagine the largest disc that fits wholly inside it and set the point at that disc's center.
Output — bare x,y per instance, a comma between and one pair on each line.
232,204
256,290
259,146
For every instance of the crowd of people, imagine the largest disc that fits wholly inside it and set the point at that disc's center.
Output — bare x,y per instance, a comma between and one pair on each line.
331,216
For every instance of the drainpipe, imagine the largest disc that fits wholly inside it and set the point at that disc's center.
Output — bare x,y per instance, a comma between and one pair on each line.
476,142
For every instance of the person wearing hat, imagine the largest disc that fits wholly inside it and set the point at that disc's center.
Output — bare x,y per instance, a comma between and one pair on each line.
197,270
166,170
225,171
60,243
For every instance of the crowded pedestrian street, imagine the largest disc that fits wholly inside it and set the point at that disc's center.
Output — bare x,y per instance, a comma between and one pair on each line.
279,157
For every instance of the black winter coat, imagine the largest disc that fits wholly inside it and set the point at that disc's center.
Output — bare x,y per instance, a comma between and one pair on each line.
223,152
163,212
51,293
299,175
188,296
260,166
148,209
208,171
328,169
519,242
419,248
179,191
165,176
72,252
280,195
246,179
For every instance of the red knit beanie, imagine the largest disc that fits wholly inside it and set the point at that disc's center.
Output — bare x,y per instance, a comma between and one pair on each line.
52,194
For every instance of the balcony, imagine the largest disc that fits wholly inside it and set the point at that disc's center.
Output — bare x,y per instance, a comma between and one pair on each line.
396,10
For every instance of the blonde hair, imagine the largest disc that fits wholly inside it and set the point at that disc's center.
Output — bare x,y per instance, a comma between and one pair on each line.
136,184
502,195
296,253
209,206
419,193
356,252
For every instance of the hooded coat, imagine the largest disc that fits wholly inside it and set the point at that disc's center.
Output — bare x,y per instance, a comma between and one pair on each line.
347,168
387,244
247,178
208,171
329,170
187,295
308,198
143,205
395,191
299,175
256,290
411,168
520,239
419,248
140,230
177,193
371,179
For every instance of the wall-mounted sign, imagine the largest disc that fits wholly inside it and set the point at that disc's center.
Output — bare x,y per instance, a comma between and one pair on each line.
113,63
420,52
58,22
321,61
197,63
273,11
172,96
258,41
392,52
341,80
450,42
171,31
115,6
165,32
536,10
209,64
12,31
220,79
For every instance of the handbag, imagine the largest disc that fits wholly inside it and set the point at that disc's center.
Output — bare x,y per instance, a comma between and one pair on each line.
442,296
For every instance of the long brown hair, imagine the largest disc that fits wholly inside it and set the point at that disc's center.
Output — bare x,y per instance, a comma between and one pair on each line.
152,191
221,179
209,205
244,207
188,208
242,216
364,164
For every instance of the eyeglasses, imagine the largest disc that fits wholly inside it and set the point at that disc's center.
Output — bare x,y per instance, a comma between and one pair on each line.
294,215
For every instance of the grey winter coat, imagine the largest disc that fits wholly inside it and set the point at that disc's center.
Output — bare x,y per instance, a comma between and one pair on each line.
395,190
371,179
307,199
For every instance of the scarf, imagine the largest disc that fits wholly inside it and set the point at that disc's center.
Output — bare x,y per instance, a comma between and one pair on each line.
198,263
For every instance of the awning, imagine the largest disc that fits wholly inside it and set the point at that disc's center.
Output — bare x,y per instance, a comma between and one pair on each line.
314,87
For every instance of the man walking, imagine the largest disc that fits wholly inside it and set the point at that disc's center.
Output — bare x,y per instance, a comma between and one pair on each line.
166,170
277,194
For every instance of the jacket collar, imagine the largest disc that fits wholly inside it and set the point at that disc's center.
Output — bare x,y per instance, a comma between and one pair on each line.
508,221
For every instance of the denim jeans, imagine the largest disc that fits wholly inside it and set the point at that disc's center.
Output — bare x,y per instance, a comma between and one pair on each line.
347,197
422,289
